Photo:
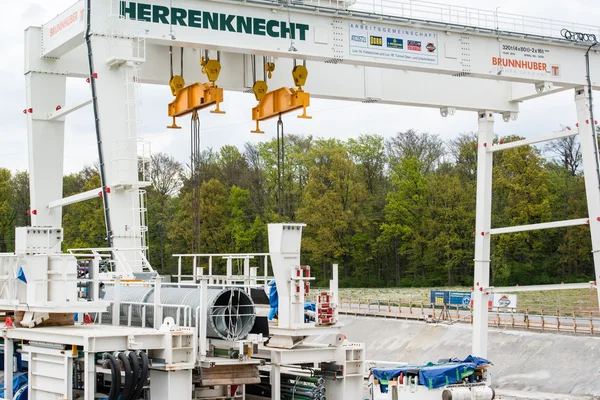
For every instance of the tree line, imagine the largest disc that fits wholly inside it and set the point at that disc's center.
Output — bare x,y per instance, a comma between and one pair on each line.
391,212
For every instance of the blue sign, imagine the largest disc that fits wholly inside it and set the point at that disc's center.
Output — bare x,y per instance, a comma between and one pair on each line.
439,297
395,43
460,299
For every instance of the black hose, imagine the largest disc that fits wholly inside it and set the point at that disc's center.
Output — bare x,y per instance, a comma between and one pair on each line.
137,378
143,376
128,387
591,105
115,381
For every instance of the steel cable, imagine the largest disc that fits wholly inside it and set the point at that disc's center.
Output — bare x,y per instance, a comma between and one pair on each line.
280,168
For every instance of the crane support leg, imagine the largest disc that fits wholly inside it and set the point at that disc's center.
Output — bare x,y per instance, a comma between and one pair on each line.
483,221
280,101
45,92
118,116
589,155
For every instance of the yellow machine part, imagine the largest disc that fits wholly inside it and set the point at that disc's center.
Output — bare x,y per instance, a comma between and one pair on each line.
270,67
260,88
212,69
300,73
195,97
280,101
176,84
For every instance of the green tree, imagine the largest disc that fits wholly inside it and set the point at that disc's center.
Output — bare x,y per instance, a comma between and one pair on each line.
19,184
331,206
405,215
213,220
6,212
166,177
521,183
294,173
425,147
247,233
368,153
452,216
257,179
83,222
234,167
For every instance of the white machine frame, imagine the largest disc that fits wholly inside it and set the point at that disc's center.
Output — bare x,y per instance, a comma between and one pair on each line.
458,62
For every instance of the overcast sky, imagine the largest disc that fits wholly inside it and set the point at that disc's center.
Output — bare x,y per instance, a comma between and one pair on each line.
330,118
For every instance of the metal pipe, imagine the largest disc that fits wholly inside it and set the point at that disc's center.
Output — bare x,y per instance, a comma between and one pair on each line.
311,379
230,312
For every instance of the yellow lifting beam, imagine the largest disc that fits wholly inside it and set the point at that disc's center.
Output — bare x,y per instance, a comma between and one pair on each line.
280,101
193,98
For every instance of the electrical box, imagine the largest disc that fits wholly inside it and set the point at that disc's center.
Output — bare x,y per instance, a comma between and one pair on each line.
38,240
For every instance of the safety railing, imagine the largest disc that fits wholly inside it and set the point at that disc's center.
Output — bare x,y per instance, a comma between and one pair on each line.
136,313
249,269
8,273
183,313
451,14
546,320
114,258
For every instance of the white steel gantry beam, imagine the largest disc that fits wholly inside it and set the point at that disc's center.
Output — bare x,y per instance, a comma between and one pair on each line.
483,221
537,288
540,226
340,36
525,142
591,168
62,112
76,198
326,81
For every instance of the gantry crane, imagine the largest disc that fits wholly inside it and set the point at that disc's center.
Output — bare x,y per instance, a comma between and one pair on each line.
484,63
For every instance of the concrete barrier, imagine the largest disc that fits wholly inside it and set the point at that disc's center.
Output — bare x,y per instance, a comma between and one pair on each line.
528,362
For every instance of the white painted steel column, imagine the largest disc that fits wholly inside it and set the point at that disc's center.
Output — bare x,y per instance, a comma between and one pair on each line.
201,320
587,137
158,308
275,375
482,237
334,286
116,310
89,370
9,350
46,146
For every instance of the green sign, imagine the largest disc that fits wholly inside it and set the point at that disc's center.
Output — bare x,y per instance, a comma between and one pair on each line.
213,20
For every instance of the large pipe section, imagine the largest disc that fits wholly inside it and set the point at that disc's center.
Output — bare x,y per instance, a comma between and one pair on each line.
230,311
469,393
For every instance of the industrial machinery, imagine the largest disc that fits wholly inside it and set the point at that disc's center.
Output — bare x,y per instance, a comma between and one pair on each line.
205,337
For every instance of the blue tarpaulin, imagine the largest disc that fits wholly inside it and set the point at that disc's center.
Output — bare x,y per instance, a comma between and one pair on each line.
309,306
431,375
19,380
273,300
21,275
